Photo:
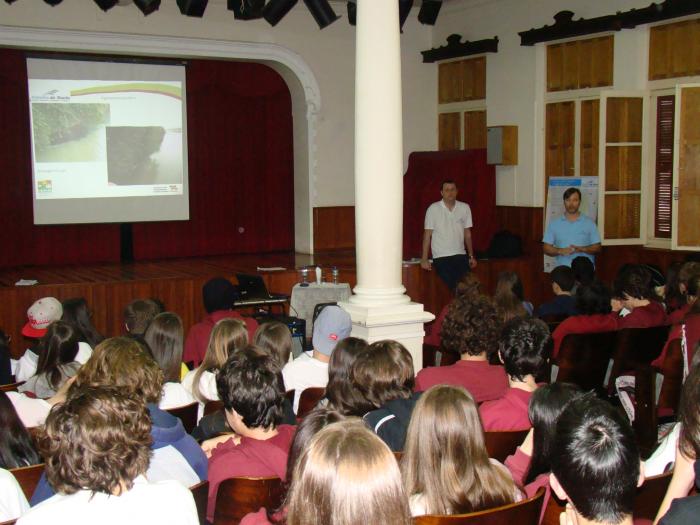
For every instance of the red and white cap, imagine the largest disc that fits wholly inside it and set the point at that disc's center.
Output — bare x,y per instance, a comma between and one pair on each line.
41,314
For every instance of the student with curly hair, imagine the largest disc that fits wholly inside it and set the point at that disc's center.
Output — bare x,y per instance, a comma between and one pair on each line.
123,363
446,468
523,349
471,329
97,450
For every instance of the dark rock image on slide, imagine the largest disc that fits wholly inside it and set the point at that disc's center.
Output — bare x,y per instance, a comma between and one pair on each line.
69,132
138,155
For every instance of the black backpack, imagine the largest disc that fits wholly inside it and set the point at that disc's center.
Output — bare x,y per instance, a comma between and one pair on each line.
505,244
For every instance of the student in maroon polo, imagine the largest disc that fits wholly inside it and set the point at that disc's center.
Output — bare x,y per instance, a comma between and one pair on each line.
523,349
471,329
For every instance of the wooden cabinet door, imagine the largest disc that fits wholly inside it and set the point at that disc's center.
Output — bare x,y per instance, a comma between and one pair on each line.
686,169
622,173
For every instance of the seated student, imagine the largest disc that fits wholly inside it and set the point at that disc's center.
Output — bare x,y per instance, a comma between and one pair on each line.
312,423
674,298
563,304
677,305
446,468
595,463
531,464
634,291
13,503
77,314
96,447
138,314
310,369
218,295
468,285
584,271
341,393
686,470
251,388
16,445
594,314
122,362
276,338
227,336
523,349
57,351
384,374
40,315
471,328
509,297
164,337
688,326
346,475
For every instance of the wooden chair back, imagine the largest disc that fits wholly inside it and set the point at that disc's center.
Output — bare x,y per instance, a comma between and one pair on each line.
187,414
237,497
28,478
308,400
646,502
213,406
500,445
645,415
583,359
526,512
672,370
634,347
398,455
10,387
200,493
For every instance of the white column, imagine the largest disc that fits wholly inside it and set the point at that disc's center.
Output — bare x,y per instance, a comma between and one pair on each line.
380,309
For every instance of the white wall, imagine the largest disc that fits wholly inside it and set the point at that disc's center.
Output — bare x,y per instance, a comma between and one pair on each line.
329,53
515,76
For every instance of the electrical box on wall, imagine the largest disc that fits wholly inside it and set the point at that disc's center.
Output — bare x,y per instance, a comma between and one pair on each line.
502,145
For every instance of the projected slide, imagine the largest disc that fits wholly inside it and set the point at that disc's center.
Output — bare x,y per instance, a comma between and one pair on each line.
106,138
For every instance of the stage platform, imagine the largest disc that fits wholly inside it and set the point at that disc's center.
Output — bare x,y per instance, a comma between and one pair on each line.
109,287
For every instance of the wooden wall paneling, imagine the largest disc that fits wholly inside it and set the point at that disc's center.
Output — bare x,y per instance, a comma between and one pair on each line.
449,132
468,80
624,119
479,91
571,65
525,222
622,216
450,82
602,61
559,139
658,51
474,129
555,67
334,227
689,169
587,74
590,116
680,36
623,168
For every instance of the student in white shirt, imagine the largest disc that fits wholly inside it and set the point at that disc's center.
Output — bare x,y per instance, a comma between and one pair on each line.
310,369
97,452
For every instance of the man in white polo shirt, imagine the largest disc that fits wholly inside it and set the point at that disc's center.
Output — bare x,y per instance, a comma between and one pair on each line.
448,224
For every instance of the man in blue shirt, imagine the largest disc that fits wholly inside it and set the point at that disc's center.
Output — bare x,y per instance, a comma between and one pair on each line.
572,234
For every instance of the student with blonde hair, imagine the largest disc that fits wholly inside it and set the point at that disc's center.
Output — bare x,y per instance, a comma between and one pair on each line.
347,476
227,336
446,467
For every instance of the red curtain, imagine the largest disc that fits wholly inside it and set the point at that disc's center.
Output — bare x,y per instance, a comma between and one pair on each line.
476,182
22,242
241,174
